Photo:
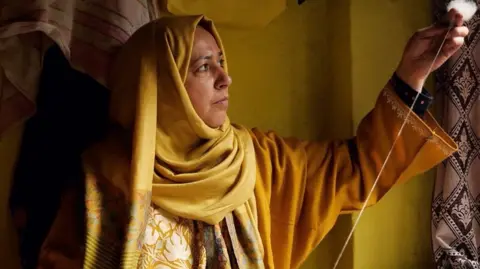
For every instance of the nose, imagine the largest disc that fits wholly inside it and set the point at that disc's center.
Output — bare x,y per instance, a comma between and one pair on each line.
223,80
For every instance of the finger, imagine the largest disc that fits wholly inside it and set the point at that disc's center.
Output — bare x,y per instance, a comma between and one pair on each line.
450,17
456,41
43,261
431,31
61,261
461,31
458,21
452,45
454,17
55,259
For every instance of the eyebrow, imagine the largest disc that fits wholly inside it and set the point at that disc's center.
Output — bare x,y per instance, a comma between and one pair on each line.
208,57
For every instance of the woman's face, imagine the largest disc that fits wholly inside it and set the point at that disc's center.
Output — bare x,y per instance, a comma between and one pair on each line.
207,82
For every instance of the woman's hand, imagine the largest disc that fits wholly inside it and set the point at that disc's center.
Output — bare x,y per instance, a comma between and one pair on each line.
424,45
55,259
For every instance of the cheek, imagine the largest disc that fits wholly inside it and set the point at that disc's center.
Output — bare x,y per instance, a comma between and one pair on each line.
200,92
199,100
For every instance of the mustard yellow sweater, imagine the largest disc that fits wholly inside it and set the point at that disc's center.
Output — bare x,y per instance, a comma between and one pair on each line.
303,186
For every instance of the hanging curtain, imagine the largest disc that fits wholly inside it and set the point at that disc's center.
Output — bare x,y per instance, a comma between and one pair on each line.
54,59
455,206
54,56
86,31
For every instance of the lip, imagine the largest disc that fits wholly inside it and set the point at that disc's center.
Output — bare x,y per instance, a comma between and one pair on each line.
222,101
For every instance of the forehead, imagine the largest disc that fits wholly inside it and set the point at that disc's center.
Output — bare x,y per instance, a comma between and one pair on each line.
204,40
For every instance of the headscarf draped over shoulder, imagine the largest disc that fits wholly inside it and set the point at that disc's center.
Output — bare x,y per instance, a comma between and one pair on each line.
193,171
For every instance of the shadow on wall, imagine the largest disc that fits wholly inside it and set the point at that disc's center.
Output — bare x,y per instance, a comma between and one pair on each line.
71,114
336,100
294,77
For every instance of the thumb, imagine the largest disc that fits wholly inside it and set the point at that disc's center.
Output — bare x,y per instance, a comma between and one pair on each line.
431,31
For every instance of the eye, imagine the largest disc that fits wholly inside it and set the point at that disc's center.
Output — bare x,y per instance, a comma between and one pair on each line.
203,68
222,62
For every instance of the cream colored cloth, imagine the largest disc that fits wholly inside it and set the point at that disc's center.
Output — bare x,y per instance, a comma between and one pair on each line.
87,31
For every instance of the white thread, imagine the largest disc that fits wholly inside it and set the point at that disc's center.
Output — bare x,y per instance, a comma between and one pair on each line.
466,8
388,156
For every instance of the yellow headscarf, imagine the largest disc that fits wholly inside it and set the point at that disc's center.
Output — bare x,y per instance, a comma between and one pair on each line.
194,171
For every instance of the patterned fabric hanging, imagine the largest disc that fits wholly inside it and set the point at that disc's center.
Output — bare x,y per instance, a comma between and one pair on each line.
455,208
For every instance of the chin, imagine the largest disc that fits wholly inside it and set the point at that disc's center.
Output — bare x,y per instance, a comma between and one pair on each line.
217,121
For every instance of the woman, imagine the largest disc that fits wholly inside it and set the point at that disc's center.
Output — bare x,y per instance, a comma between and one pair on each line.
176,185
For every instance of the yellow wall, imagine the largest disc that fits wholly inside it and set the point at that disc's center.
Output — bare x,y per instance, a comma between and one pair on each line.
396,232
329,58
313,73
289,77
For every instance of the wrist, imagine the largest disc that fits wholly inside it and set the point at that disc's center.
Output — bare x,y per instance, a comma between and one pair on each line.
414,82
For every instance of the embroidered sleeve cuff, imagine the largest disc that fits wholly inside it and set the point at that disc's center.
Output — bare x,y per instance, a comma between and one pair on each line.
407,95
